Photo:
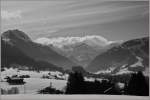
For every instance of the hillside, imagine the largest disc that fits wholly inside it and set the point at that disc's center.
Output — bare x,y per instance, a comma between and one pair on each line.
132,55
20,41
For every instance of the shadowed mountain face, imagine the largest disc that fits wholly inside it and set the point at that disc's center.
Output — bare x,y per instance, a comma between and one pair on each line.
12,56
132,54
38,52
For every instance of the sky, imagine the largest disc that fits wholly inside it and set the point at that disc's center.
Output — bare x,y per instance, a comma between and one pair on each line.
111,20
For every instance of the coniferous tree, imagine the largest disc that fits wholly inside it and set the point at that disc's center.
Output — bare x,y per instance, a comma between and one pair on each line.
75,84
137,85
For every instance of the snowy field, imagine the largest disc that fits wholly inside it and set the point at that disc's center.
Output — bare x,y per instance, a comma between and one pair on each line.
34,83
71,97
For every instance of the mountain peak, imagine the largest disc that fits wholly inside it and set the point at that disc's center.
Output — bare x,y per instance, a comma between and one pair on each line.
15,34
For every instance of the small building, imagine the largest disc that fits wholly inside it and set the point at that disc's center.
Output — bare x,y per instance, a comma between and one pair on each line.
15,81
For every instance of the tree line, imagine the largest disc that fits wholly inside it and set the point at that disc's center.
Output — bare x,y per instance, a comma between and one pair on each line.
137,85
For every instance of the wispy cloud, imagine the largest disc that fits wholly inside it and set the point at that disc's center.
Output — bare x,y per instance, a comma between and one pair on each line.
8,15
116,18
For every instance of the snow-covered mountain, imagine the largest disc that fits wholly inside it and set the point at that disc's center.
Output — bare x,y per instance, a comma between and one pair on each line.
81,50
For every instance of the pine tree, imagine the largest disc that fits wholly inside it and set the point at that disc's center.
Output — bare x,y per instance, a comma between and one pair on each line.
75,84
137,85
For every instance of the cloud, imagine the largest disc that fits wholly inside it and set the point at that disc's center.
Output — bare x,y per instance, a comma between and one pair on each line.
92,40
7,15
114,19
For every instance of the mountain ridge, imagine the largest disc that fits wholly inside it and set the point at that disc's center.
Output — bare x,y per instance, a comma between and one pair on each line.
34,50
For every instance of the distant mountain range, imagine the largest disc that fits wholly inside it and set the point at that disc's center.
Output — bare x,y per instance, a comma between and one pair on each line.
19,41
132,55
81,50
114,57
